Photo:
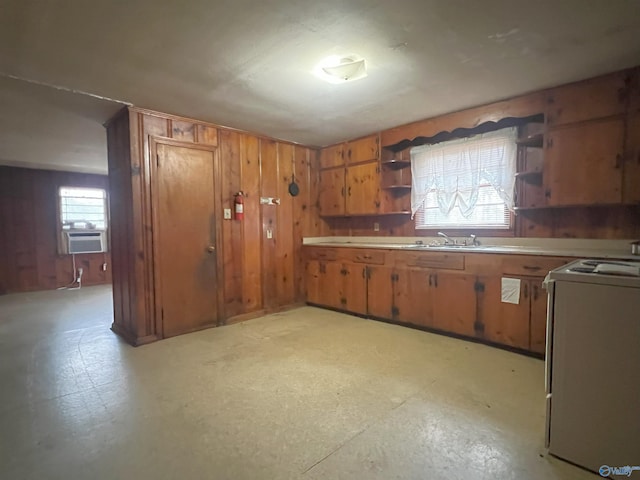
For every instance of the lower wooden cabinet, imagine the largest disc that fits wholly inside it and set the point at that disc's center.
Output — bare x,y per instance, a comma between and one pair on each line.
449,298
337,285
500,322
521,325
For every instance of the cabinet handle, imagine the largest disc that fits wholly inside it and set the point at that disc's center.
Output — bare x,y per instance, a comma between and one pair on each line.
429,280
526,290
435,280
533,268
535,292
618,161
342,191
367,257
363,272
349,191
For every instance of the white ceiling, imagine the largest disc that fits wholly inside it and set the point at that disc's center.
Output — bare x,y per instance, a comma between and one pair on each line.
247,64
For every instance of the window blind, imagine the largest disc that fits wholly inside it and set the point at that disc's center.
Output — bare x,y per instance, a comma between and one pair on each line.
83,208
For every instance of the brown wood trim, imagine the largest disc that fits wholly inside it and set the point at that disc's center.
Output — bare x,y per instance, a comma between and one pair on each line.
169,116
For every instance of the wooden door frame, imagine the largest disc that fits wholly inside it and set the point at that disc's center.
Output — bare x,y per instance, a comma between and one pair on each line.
154,142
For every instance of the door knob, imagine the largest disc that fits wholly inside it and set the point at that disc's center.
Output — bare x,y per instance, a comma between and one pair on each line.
211,248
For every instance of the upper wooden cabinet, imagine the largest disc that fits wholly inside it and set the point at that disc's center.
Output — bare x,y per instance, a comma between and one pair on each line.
332,156
360,150
596,98
350,178
362,189
583,163
363,149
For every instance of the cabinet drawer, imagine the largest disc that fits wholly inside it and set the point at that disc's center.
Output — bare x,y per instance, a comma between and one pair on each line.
449,261
531,265
368,256
321,254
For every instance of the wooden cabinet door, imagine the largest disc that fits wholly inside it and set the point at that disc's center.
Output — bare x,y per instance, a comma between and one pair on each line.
631,173
583,163
454,302
380,291
538,322
184,237
332,156
504,323
588,100
412,296
363,189
354,288
363,149
313,282
332,191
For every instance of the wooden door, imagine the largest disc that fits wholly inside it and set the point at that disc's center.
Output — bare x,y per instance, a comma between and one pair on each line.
185,239
332,192
380,292
363,189
583,163
538,322
354,290
363,149
504,323
332,156
631,184
412,298
454,302
588,100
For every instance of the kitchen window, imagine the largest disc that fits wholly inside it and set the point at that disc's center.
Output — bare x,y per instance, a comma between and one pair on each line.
83,208
465,183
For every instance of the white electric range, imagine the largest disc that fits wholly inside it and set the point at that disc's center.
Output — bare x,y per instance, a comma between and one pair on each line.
592,376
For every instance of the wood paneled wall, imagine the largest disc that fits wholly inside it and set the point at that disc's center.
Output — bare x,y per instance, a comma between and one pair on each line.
260,274
29,258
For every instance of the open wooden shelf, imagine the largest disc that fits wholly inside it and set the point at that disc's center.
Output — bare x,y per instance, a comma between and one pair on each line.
532,177
396,163
535,140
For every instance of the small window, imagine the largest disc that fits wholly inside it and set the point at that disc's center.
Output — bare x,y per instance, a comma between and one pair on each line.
465,183
83,208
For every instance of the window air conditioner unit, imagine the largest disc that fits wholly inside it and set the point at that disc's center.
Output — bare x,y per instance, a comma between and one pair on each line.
86,241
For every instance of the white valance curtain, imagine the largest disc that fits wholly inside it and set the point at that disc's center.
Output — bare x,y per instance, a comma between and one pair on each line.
455,170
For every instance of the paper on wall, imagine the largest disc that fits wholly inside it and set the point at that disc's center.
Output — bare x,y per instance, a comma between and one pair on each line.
511,290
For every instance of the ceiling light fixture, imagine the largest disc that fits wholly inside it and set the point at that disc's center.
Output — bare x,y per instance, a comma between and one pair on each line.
340,69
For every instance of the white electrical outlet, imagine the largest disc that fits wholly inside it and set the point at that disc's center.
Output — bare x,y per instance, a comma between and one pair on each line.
376,227
227,214
269,233
104,267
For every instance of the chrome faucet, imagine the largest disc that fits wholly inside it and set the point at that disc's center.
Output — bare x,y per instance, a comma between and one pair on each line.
447,239
474,240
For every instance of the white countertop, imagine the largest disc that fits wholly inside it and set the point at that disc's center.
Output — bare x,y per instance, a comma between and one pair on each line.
561,247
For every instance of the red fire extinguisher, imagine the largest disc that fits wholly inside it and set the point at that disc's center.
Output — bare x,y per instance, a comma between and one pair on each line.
238,203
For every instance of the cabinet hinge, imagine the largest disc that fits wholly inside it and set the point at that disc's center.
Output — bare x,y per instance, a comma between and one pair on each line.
478,287
478,327
343,271
395,277
395,312
343,301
